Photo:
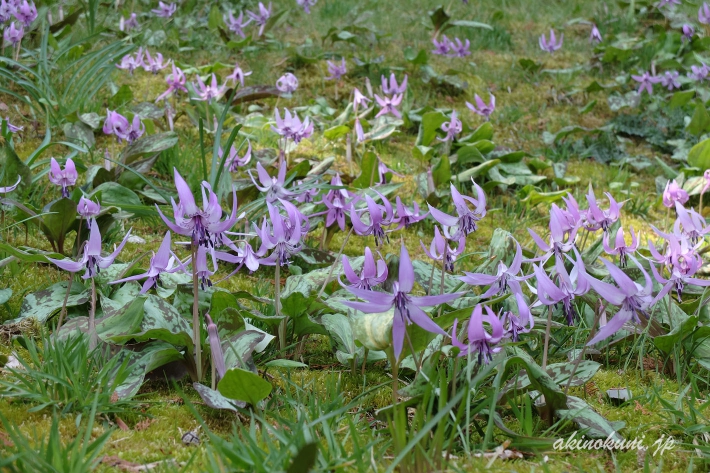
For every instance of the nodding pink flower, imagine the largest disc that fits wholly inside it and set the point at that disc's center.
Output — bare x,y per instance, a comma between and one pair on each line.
466,219
176,83
236,25
116,124
129,24
674,193
337,71
505,278
215,347
380,216
597,218
569,286
88,208
208,92
632,298
273,187
129,63
572,217
291,126
245,256
283,236
237,76
372,274
7,10
620,247
26,12
459,49
383,170
690,224
443,47
153,64
63,177
561,236
452,128
204,226
164,261
595,36
91,259
681,275
669,80
389,105
359,99
5,190
391,87
480,342
706,176
552,45
688,32
441,250
407,308
306,194
136,130
287,83
481,108
10,127
261,17
201,266
704,14
13,34
234,162
646,81
699,73
516,324
165,10
336,202
306,5
667,3
405,218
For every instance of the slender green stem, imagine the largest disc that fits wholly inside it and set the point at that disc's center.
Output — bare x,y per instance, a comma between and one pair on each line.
547,337
431,280
93,336
196,314
202,149
335,263
63,313
277,305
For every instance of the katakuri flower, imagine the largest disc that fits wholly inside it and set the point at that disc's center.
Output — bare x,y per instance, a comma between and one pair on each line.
443,47
481,108
273,187
380,216
561,236
129,24
236,25
13,34
452,128
595,36
261,17
480,342
681,275
372,274
153,64
5,190
337,71
467,218
688,32
287,83
87,208
215,347
552,45
620,247
283,236
63,177
460,49
10,127
646,81
704,14
208,92
26,12
441,250
690,224
233,161
674,193
507,277
568,286
129,63
699,73
291,127
669,80
596,218
176,83
513,324
237,76
306,5
391,87
404,217
165,10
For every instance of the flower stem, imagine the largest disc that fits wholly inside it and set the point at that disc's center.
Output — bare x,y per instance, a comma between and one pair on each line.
335,263
93,336
547,337
196,314
63,313
700,206
277,305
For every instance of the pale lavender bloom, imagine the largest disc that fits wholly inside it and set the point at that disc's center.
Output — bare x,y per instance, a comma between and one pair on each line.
552,45
208,92
681,275
690,224
372,275
13,34
116,124
237,76
561,236
704,14
452,128
261,17
336,71
306,195
481,108
306,5
336,202
5,190
129,24
389,105
595,36
466,219
236,25
646,81
287,83
7,10
88,208
153,64
201,267
505,278
129,63
359,99
480,342
273,187
10,127
404,218
285,240
234,162
215,347
165,10
443,47
176,83
459,49
380,216
164,261
667,3
669,80
383,170
441,250
91,259
699,73
674,193
620,246
597,218
359,131
245,256
391,87
572,217
567,288
517,324
63,177
26,12
632,298
688,32
136,130
406,307
291,127
706,176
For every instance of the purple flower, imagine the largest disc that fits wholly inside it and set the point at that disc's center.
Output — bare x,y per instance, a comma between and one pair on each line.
561,236
646,82
236,25
153,64
88,208
595,36
136,130
516,324
13,34
7,10
383,170
261,17
204,226
283,236
632,298
372,275
443,47
5,190
129,24
688,32
669,80
337,71
389,105
690,224
234,162
569,286
91,259
706,176
165,10
215,347
680,276
620,247
201,266
306,5
699,73
479,340
176,83
465,221
335,202
359,99
552,45
245,256
704,14
63,177
572,217
504,279
10,127
597,218
440,250
287,83
481,108
116,124
392,87
291,126
26,12
404,217
407,308
667,3
380,216
237,76
208,92
164,261
459,49
273,187
452,128
674,193
129,63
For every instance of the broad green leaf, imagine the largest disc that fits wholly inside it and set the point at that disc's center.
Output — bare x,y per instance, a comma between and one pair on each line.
285,364
152,356
681,98
305,459
665,343
12,166
113,193
594,425
215,400
44,304
700,123
60,217
160,321
374,331
80,133
442,171
239,348
122,96
5,295
151,144
543,382
242,385
699,155
368,174
431,122
122,322
479,170
336,132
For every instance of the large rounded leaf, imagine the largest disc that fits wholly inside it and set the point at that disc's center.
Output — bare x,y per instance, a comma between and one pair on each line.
151,144
699,155
242,385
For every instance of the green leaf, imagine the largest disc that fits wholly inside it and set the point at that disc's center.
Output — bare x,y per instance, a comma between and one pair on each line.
479,170
238,349
543,382
151,144
113,193
215,400
594,425
431,122
60,217
122,322
336,132
374,331
469,154
700,123
681,98
79,133
285,364
699,155
242,385
470,24
12,166
43,304
368,174
416,57
305,459
152,356
442,171
122,96
160,321
5,295
665,343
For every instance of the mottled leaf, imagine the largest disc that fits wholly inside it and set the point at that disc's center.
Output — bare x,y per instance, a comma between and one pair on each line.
151,144
592,423
152,356
215,400
45,303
